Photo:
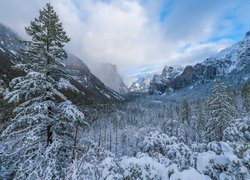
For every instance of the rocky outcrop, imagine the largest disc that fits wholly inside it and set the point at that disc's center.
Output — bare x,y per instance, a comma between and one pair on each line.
164,82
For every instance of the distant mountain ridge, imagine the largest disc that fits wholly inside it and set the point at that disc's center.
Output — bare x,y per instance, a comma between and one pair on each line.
232,65
141,84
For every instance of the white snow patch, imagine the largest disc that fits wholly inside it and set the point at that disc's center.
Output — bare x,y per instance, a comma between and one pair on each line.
2,49
65,84
189,174
14,52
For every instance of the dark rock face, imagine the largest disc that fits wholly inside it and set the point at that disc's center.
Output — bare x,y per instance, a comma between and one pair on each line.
210,72
231,65
190,75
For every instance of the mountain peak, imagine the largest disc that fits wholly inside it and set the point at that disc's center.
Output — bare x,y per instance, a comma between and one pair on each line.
170,72
248,33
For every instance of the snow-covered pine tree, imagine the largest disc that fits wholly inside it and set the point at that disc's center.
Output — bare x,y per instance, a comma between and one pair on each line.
2,118
199,120
48,40
220,112
245,94
41,139
233,100
170,123
185,130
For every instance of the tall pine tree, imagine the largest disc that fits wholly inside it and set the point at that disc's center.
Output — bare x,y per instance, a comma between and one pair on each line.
43,133
200,120
245,94
170,123
185,129
220,112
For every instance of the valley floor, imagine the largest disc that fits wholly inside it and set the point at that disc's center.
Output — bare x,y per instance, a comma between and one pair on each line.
144,139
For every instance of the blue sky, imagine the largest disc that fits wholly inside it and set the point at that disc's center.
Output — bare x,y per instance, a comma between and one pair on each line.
140,36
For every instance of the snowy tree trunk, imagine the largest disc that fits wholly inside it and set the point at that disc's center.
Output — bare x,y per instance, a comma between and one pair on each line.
75,143
49,135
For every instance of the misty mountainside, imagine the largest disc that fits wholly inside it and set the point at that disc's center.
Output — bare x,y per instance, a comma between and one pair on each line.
109,75
92,90
9,40
141,84
91,85
232,65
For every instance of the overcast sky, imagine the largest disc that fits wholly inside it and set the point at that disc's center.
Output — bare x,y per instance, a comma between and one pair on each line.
140,35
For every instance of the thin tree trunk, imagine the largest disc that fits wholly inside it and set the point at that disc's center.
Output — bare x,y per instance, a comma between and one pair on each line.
110,137
49,132
49,135
75,143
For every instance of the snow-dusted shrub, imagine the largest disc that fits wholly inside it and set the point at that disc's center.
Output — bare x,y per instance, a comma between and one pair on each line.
88,164
224,166
239,131
158,144
132,168
189,174
219,161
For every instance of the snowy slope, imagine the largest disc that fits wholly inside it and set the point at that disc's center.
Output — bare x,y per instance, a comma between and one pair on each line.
90,84
232,65
232,58
92,89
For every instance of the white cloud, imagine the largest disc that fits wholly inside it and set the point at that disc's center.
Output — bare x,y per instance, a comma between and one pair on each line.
128,32
119,32
200,51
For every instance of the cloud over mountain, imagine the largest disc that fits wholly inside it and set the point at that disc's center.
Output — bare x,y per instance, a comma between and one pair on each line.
135,33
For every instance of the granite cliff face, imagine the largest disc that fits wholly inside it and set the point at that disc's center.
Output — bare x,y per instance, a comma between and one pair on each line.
231,65
109,75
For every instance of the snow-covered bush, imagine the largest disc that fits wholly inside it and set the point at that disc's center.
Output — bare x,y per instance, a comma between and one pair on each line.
156,142
224,166
132,168
189,174
97,164
239,131
219,161
160,145
88,164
